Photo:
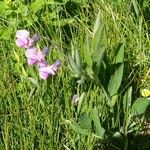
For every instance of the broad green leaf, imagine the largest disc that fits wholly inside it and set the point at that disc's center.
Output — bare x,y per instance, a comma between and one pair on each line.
120,55
98,58
88,58
113,100
77,128
97,50
98,55
99,130
140,105
97,35
97,39
89,72
87,53
85,122
73,65
115,80
78,60
127,100
97,24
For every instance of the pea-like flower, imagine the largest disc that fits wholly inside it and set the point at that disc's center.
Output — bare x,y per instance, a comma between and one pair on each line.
45,72
24,40
37,57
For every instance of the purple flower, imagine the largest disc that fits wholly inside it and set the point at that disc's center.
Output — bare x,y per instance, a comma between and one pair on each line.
31,54
45,72
36,57
45,51
24,40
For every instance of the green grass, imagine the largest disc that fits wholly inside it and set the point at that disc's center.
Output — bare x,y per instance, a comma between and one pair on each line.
38,114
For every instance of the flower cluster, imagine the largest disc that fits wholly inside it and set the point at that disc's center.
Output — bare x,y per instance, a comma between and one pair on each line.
34,56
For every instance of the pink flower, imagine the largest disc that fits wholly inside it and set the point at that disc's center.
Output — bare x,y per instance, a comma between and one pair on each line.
45,72
36,57
24,40
31,54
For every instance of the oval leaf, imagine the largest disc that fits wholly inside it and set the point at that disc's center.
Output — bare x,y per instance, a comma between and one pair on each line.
139,106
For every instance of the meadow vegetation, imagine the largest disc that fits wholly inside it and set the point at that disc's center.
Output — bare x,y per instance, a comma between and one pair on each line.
99,97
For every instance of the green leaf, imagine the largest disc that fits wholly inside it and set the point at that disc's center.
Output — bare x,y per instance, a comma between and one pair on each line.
113,100
135,7
90,72
97,39
85,122
97,24
88,58
77,128
120,55
80,102
98,58
87,53
37,5
97,50
139,106
127,100
115,80
74,66
99,130
78,60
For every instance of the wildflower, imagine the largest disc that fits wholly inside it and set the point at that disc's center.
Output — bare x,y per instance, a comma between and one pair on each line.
75,99
45,51
31,54
36,57
45,72
24,40
145,92
41,57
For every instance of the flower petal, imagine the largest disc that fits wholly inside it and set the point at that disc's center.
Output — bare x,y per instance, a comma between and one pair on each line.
42,64
56,65
31,51
22,43
41,56
48,70
31,55
43,75
32,61
22,34
33,39
45,51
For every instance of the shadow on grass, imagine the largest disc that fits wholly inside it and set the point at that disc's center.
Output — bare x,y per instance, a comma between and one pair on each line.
139,142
